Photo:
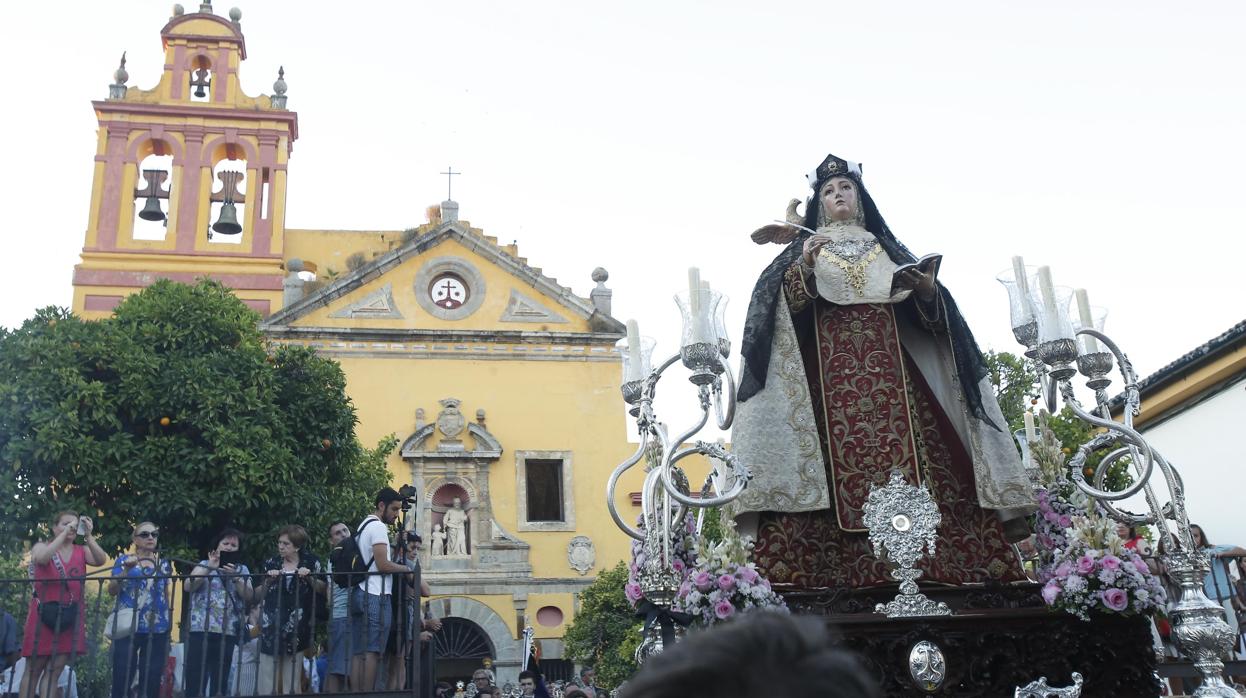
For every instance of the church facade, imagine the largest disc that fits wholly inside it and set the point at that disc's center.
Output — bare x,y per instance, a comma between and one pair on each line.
500,383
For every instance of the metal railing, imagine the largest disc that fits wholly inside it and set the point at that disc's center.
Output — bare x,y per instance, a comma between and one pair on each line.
216,634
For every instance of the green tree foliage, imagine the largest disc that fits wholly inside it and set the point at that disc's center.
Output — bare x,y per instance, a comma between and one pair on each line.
1017,389
176,410
606,630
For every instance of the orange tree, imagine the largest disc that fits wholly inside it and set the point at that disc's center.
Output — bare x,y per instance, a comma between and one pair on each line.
176,410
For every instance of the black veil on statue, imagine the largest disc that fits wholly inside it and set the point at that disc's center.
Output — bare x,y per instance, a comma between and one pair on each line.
758,336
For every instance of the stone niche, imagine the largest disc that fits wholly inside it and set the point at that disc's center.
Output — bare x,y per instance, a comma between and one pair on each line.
450,459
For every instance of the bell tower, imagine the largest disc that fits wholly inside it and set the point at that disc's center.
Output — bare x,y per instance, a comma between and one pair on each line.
190,176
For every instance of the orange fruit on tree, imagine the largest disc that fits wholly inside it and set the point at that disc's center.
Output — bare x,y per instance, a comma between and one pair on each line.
165,421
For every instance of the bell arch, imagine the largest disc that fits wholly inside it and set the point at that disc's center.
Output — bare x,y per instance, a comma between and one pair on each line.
199,77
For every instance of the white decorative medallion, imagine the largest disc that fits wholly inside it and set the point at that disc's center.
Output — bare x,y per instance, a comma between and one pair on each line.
581,555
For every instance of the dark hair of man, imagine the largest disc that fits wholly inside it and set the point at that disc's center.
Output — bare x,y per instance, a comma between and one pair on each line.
296,533
575,693
227,532
763,654
387,495
584,670
527,675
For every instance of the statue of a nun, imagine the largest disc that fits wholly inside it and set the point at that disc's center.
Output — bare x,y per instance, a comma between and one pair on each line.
856,362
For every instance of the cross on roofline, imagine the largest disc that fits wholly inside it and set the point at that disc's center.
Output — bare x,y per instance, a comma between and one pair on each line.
449,173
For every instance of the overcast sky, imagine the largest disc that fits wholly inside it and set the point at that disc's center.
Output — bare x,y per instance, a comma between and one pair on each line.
1104,139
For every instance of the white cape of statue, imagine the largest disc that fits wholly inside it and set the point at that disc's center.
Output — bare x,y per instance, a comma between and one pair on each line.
775,434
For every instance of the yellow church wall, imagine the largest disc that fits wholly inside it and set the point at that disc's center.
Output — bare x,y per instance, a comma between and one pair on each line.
328,249
530,406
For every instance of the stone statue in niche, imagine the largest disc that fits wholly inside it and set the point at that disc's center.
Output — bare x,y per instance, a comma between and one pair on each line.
455,519
439,541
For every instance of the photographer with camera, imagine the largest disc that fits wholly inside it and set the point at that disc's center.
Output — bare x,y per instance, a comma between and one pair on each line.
55,632
220,588
372,602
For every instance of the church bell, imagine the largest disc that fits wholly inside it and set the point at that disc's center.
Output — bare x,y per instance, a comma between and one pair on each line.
227,222
151,210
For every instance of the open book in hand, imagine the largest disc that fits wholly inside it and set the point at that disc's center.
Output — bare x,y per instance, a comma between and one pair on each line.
927,264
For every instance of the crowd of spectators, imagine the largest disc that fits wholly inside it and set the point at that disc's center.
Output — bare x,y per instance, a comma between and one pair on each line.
243,632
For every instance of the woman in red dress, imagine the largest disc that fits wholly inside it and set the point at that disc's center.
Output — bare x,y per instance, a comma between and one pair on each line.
57,568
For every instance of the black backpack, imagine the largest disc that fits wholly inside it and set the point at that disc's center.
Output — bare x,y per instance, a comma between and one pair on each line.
347,559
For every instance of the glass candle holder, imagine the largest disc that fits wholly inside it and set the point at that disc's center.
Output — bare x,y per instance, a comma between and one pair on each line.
633,369
1053,318
1022,311
1085,343
718,321
698,324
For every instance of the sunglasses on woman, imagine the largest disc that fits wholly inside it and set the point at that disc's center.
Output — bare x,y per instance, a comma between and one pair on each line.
147,534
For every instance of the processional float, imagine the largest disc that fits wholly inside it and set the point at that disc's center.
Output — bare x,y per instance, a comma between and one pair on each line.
1040,314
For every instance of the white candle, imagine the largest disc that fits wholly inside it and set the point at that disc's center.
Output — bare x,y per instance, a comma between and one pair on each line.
1088,322
1051,315
694,290
635,371
1031,432
1023,284
697,305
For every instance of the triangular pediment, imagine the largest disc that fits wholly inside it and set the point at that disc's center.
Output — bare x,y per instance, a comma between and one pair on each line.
523,308
451,277
377,304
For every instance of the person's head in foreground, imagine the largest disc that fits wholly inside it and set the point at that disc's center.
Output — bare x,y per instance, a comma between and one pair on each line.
758,654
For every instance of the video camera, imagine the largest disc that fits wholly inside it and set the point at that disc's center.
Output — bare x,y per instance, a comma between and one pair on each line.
407,492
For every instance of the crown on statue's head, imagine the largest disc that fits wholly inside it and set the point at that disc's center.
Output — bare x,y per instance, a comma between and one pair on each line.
833,166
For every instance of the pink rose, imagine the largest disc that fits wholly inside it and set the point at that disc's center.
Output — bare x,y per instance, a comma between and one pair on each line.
702,580
1050,592
1085,564
1063,569
748,574
724,610
1115,599
1052,517
1110,562
1065,521
726,582
685,588
678,565
633,592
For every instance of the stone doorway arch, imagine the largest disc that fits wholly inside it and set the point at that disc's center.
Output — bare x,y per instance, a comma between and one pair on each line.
466,616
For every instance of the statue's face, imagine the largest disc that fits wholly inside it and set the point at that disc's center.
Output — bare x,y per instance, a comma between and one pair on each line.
840,199
457,502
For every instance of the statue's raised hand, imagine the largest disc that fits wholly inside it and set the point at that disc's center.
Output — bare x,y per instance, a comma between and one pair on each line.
812,246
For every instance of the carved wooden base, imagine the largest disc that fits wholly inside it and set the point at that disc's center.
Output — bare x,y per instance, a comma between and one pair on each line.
997,639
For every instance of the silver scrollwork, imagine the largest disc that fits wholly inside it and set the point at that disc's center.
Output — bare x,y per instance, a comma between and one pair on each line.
1040,689
902,520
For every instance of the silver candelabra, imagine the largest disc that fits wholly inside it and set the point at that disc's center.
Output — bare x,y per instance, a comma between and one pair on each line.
1041,323
666,497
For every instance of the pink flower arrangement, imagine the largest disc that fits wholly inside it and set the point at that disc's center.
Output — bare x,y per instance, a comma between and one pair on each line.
1091,572
724,584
